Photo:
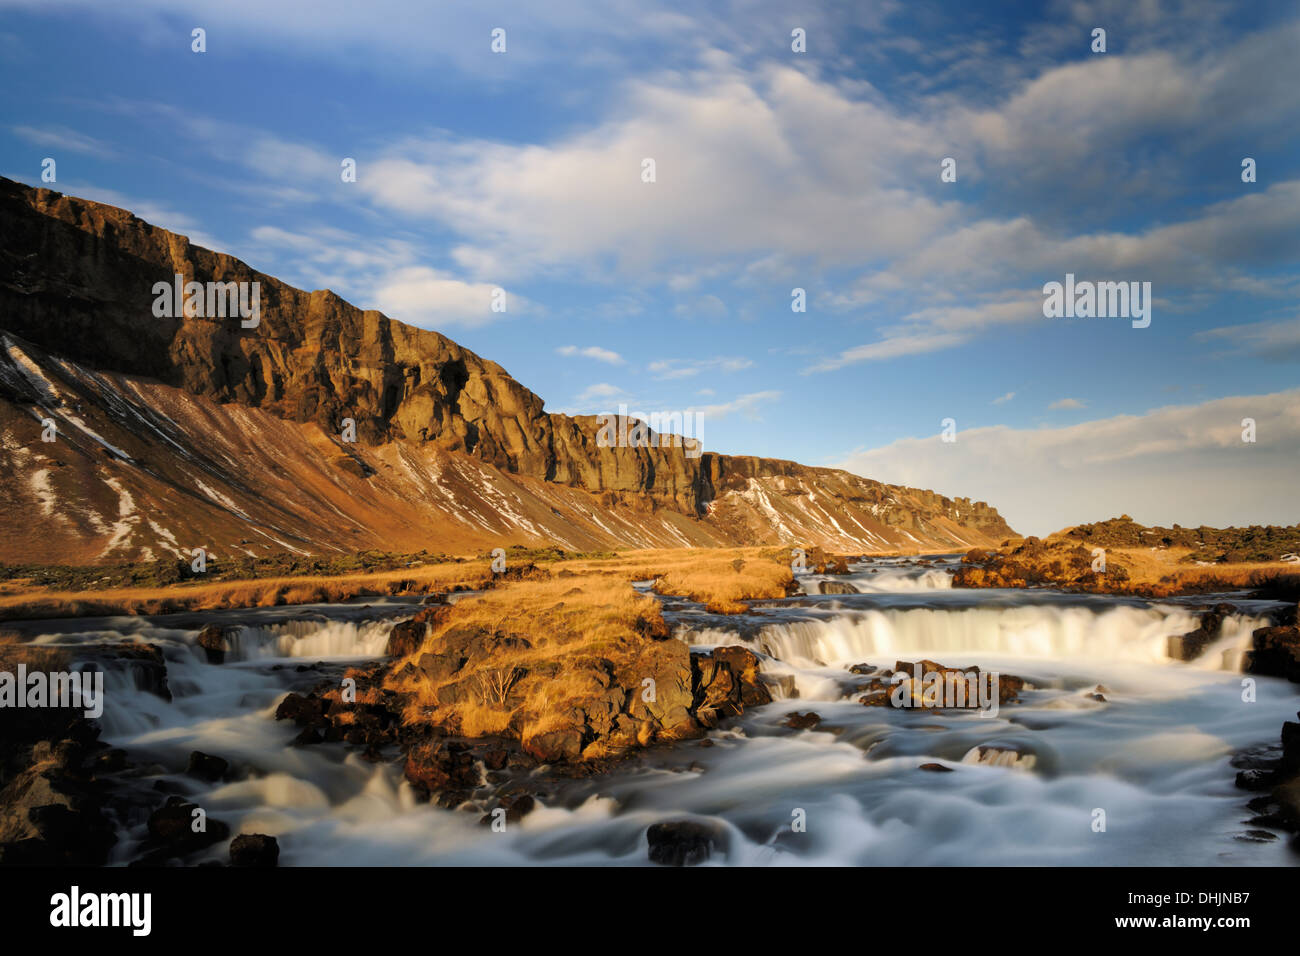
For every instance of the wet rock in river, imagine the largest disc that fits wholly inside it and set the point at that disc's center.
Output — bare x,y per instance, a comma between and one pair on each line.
206,767
682,842
798,721
1189,646
213,641
254,849
836,587
1276,652
178,829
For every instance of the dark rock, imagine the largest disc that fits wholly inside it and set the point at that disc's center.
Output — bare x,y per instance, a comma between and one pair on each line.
836,587
798,721
307,737
881,690
302,710
436,767
406,637
724,682
213,641
1276,652
936,768
111,761
254,849
206,767
1255,779
681,842
1189,646
172,832
556,746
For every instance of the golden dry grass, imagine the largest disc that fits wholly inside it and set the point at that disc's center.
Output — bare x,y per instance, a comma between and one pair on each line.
568,622
1166,571
263,592
719,577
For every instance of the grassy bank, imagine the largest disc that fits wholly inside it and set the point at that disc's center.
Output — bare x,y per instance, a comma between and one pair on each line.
721,578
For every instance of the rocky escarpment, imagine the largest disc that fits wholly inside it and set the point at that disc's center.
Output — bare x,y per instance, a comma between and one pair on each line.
83,346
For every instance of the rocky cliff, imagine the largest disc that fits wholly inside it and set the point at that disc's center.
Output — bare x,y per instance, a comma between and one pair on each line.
175,432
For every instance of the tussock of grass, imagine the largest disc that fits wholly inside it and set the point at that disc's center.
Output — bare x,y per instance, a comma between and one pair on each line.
578,632
720,578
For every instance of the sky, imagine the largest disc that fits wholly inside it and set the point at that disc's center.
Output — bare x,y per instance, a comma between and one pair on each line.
775,169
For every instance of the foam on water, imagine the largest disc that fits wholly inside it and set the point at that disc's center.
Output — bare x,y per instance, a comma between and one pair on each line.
1022,788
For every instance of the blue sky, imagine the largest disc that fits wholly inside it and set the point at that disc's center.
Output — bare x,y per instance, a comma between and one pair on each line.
774,170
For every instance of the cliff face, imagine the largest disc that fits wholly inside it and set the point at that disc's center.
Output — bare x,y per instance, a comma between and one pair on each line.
137,398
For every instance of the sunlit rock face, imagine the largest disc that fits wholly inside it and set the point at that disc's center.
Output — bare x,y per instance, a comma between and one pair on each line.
176,431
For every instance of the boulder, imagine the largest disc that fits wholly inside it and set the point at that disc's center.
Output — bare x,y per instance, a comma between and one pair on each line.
254,849
682,842
798,721
206,767
302,710
1276,652
175,831
213,641
1188,647
836,587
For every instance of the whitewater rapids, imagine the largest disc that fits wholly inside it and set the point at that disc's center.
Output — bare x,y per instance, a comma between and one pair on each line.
1022,788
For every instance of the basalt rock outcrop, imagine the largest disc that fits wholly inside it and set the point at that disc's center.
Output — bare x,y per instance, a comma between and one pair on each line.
175,430
1276,652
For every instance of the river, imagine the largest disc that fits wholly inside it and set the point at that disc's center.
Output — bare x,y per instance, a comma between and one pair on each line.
1024,787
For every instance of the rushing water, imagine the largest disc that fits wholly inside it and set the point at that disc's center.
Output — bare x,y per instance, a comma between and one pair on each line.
1023,788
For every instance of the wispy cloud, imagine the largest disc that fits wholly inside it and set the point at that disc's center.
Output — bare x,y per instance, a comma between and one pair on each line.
746,405
891,348
60,137
685,368
592,352
1278,340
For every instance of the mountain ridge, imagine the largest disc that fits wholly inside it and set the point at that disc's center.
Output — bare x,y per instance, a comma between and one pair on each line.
137,396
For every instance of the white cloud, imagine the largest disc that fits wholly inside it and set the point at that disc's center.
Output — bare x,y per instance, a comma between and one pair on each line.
1185,464
430,299
601,391
746,405
1272,340
746,162
60,137
892,347
591,352
705,307
685,368
1066,403
1002,400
